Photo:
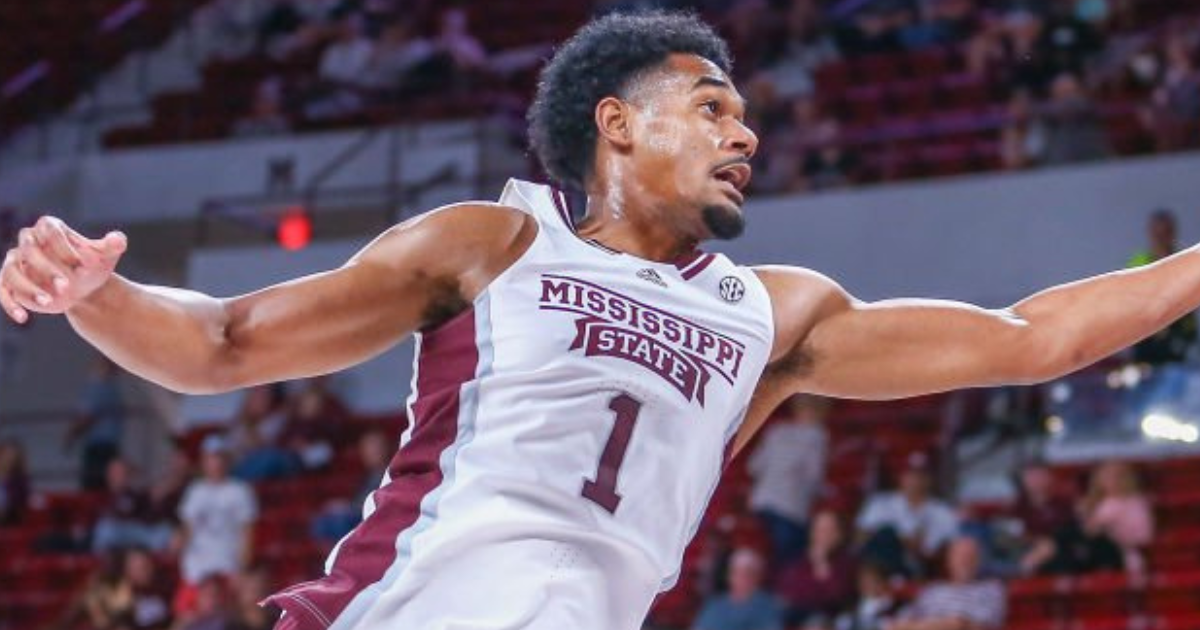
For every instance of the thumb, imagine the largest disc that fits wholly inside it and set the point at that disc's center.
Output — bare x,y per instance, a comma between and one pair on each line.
114,243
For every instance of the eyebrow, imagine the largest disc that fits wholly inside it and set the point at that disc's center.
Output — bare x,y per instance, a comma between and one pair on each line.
710,81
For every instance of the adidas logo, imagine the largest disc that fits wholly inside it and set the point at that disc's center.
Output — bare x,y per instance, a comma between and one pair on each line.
651,275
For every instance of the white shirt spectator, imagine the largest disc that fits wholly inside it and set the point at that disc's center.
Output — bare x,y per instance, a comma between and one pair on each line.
788,468
346,62
935,521
980,602
216,515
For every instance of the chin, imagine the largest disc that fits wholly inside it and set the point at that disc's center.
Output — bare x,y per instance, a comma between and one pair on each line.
725,221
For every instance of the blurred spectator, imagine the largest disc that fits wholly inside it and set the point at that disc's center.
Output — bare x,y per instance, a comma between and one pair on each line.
233,24
339,516
1171,344
829,164
1118,522
143,597
1046,518
807,153
218,514
933,23
345,60
166,493
315,415
963,601
249,588
103,596
807,47
1006,47
125,519
398,54
872,29
343,66
292,27
745,606
100,423
788,466
266,116
1072,120
1023,136
214,609
455,40
904,530
875,603
254,440
815,587
14,483
1173,115
1067,43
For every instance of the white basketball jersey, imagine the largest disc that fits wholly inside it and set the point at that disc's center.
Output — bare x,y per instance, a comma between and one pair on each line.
566,434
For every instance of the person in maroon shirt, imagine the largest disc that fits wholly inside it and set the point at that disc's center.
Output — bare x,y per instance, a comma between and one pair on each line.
1046,515
820,583
14,483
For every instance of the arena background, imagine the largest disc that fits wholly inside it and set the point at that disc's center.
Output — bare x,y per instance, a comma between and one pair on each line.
968,149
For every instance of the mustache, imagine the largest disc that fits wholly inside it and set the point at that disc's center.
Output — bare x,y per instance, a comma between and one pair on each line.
741,159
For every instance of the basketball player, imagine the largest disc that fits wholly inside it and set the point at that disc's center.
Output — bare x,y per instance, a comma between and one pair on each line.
578,385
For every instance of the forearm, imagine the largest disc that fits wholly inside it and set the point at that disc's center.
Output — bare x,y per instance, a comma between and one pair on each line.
1076,324
173,337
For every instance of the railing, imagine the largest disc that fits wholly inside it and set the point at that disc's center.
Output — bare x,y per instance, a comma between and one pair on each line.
392,196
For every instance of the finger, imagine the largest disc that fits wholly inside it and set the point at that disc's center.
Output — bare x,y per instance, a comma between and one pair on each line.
52,234
48,274
10,306
110,246
115,243
26,292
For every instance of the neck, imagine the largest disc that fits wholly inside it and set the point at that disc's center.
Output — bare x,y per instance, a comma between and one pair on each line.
621,218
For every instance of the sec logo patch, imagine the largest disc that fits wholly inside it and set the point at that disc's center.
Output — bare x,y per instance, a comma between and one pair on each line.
732,290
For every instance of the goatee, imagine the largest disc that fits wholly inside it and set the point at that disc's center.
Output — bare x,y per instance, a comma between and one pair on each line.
724,223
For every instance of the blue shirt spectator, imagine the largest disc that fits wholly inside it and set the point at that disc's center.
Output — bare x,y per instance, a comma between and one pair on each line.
745,606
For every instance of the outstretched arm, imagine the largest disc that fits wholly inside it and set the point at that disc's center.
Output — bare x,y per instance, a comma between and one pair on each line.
410,277
829,343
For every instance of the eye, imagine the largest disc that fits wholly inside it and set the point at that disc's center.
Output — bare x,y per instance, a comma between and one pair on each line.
712,107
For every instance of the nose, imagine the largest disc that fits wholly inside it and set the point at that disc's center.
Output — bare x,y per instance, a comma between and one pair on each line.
741,139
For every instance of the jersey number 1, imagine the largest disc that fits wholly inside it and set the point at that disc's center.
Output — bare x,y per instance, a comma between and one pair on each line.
603,489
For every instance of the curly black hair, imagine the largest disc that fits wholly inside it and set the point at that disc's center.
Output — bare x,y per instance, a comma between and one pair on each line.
601,60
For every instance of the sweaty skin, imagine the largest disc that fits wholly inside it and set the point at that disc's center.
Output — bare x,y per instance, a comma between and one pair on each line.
669,157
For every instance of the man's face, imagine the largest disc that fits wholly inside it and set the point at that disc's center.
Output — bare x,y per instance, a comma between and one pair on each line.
962,560
745,574
690,147
1162,231
914,483
214,466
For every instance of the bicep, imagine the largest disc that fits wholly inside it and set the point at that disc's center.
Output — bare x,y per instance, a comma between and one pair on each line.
316,324
404,280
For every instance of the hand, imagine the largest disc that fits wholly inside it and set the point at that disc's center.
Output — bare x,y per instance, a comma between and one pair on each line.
53,268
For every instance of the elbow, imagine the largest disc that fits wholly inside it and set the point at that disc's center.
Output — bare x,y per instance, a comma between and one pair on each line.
219,373
1043,358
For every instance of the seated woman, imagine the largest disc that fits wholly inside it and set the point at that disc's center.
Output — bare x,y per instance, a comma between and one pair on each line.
1118,522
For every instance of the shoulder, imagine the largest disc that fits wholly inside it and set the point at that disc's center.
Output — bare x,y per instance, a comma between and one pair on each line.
788,284
464,246
800,298
467,225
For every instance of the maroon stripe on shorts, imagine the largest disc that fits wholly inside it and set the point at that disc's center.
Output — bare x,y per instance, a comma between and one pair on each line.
701,265
448,359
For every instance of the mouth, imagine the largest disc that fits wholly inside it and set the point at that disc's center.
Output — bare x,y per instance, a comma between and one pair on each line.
736,177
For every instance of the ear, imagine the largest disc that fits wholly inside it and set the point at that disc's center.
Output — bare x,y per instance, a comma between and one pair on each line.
613,122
